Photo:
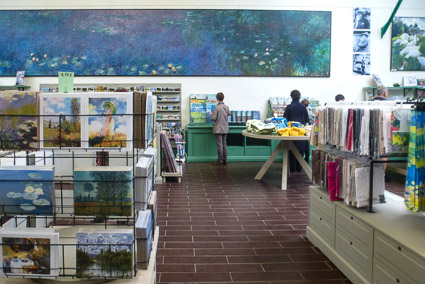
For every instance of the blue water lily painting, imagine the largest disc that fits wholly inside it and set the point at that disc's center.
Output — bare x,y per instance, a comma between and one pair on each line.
26,190
166,42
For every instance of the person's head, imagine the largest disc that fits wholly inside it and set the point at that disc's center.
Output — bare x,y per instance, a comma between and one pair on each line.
220,97
295,95
382,91
339,98
305,102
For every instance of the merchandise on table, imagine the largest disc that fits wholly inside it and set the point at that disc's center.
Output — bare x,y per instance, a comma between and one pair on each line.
260,128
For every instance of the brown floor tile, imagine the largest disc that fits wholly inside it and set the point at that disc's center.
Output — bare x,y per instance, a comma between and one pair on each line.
219,225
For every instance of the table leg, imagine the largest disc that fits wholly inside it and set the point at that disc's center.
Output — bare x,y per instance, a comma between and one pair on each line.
285,165
291,146
269,162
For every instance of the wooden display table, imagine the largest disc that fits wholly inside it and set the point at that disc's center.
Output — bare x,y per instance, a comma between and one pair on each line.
286,144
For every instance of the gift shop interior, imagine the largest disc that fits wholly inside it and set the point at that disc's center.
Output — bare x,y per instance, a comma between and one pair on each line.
212,142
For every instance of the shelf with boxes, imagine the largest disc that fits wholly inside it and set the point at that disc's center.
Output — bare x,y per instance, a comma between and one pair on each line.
83,191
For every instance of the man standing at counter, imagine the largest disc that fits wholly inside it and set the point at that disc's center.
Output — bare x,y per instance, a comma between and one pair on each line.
220,115
296,111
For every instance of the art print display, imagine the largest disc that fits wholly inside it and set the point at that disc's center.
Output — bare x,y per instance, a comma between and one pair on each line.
361,40
198,108
105,254
111,124
61,121
26,190
361,64
20,78
408,44
169,42
29,252
103,191
361,18
16,131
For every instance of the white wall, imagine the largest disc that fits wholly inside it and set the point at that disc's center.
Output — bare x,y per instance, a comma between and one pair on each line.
252,92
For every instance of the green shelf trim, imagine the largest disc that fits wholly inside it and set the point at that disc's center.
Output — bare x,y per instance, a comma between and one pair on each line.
15,87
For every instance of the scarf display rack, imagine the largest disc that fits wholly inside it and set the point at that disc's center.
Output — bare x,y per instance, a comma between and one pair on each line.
326,140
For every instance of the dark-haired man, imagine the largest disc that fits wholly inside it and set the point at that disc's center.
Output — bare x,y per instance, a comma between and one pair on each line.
220,115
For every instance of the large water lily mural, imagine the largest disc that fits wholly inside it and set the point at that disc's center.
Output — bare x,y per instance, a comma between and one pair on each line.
166,42
408,44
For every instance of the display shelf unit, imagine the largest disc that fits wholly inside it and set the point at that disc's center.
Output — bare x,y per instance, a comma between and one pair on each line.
394,91
15,87
64,217
169,106
384,247
201,145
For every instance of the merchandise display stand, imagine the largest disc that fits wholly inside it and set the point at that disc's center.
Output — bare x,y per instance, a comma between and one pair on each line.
286,145
64,218
177,175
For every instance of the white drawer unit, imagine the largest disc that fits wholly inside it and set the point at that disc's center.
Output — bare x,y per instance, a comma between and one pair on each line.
398,258
323,225
320,200
384,274
355,226
358,252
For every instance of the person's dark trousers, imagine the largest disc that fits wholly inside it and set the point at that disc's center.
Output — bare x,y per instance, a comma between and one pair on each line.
221,141
294,165
307,152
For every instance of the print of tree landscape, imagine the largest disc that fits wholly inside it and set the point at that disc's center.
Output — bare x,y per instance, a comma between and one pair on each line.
166,42
63,127
103,192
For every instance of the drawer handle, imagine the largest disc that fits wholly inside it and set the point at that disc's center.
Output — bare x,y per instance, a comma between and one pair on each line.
320,198
351,243
352,218
398,280
320,218
399,248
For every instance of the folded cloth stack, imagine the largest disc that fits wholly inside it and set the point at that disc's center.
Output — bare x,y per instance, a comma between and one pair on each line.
260,128
293,131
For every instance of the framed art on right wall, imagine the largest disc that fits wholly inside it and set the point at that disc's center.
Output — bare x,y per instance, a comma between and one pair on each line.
408,44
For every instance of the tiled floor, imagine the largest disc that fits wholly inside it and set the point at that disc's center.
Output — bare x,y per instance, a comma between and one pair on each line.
221,226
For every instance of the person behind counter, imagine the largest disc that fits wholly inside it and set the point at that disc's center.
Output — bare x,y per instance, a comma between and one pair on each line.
339,98
220,115
296,111
382,94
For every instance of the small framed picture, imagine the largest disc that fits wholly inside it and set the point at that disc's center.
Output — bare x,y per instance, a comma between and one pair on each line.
20,78
410,81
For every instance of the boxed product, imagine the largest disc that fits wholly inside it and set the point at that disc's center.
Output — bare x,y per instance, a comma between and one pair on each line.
143,238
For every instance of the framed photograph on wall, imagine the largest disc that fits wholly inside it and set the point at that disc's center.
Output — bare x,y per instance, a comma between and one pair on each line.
361,64
361,41
361,18
408,44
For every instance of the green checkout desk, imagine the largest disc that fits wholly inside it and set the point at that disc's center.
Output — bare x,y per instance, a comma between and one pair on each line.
201,145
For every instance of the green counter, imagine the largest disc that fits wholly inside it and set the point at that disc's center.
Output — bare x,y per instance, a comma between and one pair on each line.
201,145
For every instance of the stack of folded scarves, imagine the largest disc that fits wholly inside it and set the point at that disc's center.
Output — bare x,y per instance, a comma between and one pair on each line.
260,128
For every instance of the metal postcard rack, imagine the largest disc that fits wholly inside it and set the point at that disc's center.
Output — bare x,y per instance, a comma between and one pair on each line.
63,218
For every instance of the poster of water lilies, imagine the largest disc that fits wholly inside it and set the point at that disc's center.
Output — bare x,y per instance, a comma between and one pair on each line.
166,42
408,44
26,190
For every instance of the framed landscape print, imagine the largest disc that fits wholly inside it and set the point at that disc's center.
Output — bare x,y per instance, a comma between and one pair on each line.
408,44
61,120
179,42
105,191
110,123
18,120
105,253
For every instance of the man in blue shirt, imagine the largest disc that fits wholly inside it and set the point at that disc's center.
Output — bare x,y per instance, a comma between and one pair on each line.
296,111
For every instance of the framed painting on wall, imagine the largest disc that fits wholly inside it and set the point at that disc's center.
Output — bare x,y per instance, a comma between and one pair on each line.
408,44
270,43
